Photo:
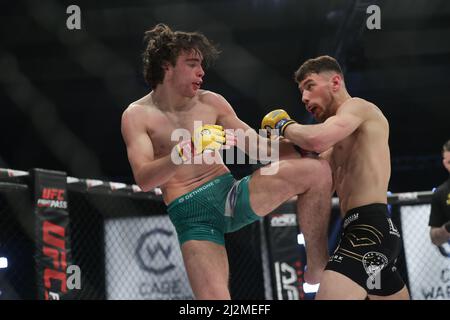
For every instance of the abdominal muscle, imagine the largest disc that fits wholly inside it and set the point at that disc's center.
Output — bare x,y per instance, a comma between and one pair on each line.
359,187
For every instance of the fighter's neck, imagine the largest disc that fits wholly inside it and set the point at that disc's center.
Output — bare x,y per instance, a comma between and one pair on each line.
340,98
167,99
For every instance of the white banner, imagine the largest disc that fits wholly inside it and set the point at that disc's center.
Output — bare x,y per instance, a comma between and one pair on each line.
143,260
428,268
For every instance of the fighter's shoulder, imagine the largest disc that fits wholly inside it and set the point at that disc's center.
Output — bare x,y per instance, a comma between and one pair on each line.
210,97
215,100
133,110
355,103
360,106
138,112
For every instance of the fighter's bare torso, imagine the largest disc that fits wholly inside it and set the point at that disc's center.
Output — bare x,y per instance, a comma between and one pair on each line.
160,124
361,162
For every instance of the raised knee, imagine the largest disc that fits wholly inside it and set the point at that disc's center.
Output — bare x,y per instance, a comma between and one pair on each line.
317,174
321,170
291,170
306,172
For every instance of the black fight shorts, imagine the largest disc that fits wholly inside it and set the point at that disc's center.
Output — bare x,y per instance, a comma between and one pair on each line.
368,249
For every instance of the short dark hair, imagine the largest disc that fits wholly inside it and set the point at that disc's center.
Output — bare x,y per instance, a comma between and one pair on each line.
164,46
446,146
317,65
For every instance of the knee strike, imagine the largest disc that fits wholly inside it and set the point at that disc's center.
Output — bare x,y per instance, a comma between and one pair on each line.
321,172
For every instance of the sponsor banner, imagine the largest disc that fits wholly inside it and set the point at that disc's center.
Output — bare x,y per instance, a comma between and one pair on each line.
428,266
287,257
143,260
52,235
283,220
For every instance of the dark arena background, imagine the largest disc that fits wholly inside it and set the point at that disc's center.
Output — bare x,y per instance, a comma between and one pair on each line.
73,222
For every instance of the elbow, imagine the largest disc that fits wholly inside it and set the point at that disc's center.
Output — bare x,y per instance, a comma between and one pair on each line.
432,237
140,184
435,240
145,187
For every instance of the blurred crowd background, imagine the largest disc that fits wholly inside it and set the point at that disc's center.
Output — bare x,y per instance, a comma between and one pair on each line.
62,92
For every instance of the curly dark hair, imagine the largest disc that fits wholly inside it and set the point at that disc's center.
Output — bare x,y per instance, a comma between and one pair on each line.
164,46
317,65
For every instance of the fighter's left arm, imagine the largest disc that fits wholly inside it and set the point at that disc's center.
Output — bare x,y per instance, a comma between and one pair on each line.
320,137
248,140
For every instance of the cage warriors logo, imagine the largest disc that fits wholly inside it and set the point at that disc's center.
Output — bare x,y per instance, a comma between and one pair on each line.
52,198
153,251
154,255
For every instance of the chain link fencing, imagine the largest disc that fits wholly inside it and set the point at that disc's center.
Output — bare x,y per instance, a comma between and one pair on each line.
125,247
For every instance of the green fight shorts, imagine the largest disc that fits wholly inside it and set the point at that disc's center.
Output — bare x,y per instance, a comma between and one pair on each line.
217,207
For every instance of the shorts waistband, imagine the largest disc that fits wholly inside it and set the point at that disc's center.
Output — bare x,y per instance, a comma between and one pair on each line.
199,189
368,210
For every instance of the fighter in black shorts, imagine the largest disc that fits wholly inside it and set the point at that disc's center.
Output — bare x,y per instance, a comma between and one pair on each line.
353,135
369,247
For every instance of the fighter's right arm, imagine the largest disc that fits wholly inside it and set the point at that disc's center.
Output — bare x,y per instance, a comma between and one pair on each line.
440,235
322,136
440,228
148,172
